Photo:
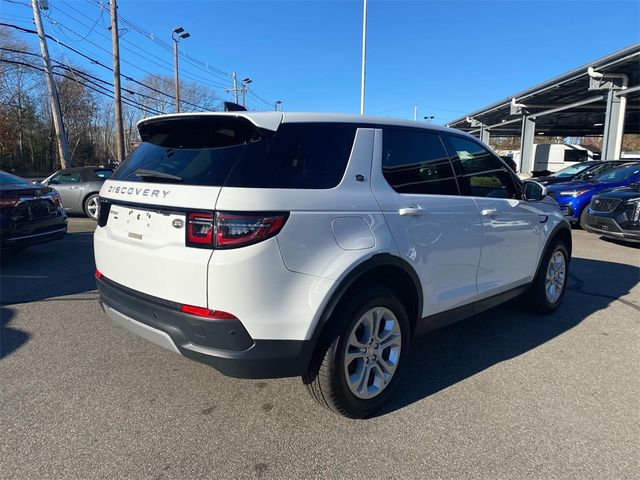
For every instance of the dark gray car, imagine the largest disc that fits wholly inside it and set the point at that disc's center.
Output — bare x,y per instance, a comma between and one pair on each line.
79,187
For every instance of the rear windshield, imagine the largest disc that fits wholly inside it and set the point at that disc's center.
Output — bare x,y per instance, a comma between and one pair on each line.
231,151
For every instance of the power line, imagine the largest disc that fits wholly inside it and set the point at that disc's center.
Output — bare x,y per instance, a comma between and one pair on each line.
97,62
151,37
88,84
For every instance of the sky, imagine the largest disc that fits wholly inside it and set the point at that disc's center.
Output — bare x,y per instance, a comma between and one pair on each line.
447,57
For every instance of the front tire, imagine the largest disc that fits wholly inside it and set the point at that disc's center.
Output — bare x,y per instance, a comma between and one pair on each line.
91,206
550,284
357,366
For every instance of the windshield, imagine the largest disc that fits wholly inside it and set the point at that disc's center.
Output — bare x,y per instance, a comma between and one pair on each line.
572,170
8,179
619,174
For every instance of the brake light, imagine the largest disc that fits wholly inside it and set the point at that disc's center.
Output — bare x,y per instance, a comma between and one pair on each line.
238,230
200,230
8,202
205,312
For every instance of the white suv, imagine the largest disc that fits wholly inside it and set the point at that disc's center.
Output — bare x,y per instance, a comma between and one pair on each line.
284,244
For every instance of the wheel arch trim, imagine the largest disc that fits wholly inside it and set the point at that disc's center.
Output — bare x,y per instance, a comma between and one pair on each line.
358,272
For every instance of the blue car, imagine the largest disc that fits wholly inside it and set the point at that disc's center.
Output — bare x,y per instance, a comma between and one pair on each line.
575,197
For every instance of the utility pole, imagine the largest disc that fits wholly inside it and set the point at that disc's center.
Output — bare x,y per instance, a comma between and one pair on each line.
235,88
117,105
364,55
58,126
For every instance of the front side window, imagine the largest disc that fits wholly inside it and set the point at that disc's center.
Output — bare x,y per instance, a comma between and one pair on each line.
65,178
597,170
481,174
620,174
416,162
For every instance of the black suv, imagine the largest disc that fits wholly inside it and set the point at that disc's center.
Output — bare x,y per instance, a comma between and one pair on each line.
616,213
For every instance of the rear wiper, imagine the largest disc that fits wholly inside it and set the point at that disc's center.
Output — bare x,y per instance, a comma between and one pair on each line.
151,175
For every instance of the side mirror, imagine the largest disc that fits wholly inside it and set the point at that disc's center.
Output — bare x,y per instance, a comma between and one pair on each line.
533,191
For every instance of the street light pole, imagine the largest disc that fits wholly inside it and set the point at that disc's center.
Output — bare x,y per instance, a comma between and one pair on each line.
364,55
245,82
176,34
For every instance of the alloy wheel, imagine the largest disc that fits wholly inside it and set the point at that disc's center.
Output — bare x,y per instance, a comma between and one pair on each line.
372,352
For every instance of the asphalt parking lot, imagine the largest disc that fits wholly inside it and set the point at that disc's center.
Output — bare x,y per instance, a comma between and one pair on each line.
501,395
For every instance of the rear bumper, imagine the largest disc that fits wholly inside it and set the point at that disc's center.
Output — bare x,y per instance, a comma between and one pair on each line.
34,232
608,227
222,344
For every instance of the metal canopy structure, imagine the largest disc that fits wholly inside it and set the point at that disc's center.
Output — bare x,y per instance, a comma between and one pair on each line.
599,98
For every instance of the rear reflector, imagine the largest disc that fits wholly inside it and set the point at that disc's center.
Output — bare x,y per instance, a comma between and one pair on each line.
205,312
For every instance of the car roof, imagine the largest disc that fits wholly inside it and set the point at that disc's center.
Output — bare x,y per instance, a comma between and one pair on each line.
271,120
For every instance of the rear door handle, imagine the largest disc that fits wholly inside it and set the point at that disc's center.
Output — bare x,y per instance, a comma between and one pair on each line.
489,212
411,212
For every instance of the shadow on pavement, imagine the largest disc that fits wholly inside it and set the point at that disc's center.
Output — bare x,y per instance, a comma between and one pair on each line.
53,269
454,353
10,338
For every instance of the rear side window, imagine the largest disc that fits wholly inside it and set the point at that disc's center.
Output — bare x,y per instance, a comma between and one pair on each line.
301,155
416,162
231,151
481,173
65,178
576,155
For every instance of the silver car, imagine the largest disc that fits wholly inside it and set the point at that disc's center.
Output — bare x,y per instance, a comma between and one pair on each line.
79,187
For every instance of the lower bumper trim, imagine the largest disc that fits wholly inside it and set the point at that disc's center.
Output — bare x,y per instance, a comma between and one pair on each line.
151,334
165,327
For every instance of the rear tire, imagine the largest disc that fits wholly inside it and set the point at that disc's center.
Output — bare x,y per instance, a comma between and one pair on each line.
550,284
91,206
358,363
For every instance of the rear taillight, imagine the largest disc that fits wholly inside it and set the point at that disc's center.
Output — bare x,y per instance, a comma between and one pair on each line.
98,274
239,229
8,202
205,312
232,230
200,230
55,197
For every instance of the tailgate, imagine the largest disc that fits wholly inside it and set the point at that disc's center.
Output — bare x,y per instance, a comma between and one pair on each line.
142,245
